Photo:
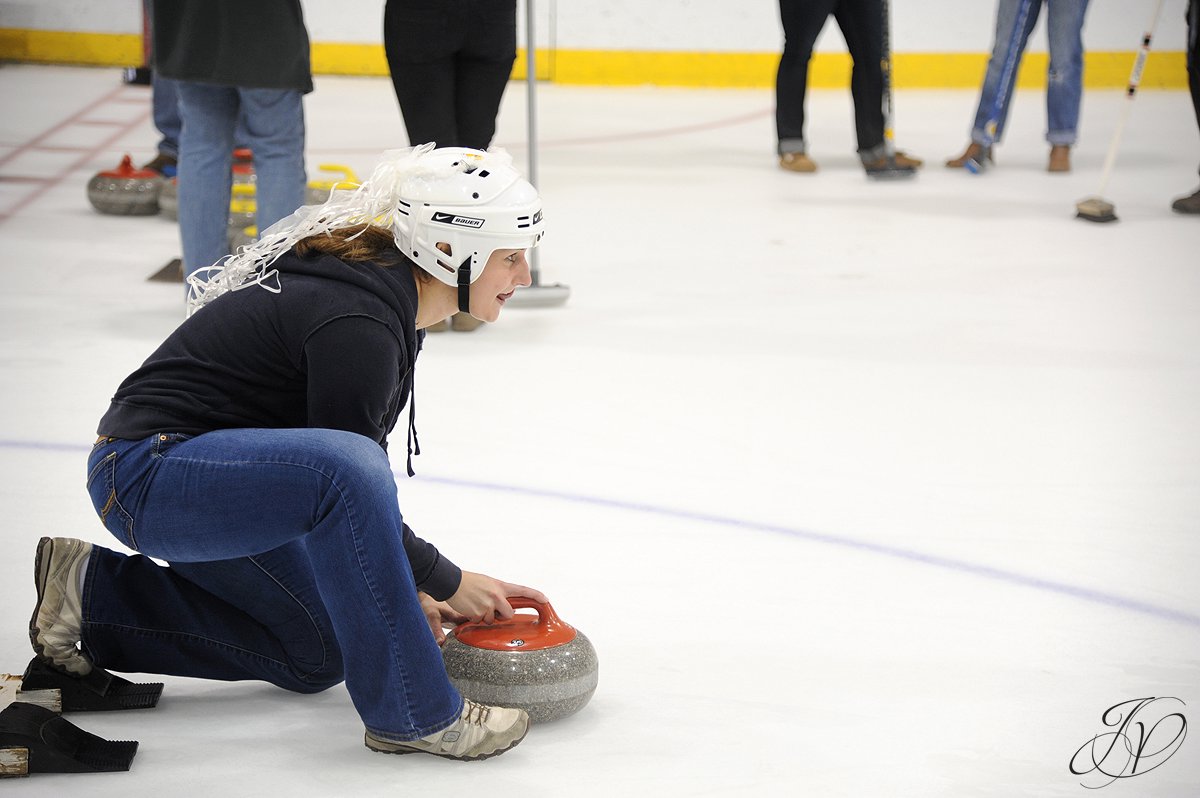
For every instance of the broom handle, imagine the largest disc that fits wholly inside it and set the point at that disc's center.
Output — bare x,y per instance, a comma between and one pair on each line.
1135,78
531,111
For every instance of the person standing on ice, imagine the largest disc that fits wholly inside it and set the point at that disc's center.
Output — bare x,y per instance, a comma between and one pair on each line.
241,70
1064,80
249,453
450,63
861,23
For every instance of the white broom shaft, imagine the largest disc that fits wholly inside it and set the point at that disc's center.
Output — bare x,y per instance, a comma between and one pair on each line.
531,119
1135,79
889,136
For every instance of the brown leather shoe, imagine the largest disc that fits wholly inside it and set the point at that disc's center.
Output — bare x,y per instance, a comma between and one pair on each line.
1188,204
974,152
797,162
1060,159
905,160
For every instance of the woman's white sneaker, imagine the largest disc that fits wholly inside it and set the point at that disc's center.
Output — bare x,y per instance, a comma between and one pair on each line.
56,626
480,732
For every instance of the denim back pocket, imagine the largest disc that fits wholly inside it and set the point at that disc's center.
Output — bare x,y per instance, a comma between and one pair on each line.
101,486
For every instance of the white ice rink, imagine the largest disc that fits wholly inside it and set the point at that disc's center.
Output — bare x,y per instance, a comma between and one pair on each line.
859,489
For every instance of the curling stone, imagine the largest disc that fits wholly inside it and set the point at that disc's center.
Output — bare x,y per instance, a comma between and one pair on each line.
126,190
243,207
242,171
242,237
243,174
536,663
168,198
320,189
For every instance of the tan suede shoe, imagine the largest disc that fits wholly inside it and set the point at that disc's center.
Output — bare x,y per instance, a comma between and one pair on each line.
1060,159
797,162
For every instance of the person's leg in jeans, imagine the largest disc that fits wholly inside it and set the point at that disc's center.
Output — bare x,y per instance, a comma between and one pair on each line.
861,23
1006,20
209,114
802,22
310,519
164,105
273,120
257,618
1064,80
484,67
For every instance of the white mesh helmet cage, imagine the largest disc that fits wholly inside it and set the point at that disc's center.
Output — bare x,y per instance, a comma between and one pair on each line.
476,202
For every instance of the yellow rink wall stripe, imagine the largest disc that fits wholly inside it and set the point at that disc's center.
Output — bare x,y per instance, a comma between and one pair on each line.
1102,70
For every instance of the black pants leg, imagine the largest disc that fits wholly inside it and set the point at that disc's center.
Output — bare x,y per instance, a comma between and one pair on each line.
485,64
450,61
1193,55
861,22
417,38
802,23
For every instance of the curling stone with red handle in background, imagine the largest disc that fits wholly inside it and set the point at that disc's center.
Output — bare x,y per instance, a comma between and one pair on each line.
536,663
126,190
168,198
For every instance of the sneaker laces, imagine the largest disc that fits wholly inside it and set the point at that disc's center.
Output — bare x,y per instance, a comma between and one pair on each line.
475,714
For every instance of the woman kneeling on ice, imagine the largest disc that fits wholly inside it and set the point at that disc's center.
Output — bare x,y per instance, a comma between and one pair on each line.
248,452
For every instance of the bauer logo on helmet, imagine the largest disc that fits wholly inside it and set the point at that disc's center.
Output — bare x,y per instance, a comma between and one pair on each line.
461,221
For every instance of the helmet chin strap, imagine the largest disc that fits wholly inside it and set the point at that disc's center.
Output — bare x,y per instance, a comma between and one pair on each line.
464,285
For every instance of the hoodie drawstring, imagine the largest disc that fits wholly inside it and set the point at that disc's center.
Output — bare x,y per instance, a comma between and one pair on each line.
414,445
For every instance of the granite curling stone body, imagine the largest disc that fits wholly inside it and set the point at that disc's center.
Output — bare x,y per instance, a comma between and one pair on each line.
536,663
126,190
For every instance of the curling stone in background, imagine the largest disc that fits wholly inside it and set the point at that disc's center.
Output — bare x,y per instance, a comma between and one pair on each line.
243,168
168,198
319,189
242,237
243,207
126,190
536,663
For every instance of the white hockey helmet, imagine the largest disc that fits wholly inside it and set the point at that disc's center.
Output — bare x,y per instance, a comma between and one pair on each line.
472,200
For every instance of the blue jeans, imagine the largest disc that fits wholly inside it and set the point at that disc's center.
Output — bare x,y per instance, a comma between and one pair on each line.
164,104
1064,89
273,123
286,565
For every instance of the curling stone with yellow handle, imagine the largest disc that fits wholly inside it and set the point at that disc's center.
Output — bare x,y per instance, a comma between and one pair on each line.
320,189
243,206
537,663
242,237
126,190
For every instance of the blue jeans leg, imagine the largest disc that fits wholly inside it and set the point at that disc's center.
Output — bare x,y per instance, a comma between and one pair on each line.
1064,80
1006,20
164,104
287,564
273,120
209,114
257,617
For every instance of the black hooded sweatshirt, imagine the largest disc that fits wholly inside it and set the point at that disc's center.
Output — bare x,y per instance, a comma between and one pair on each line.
334,348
